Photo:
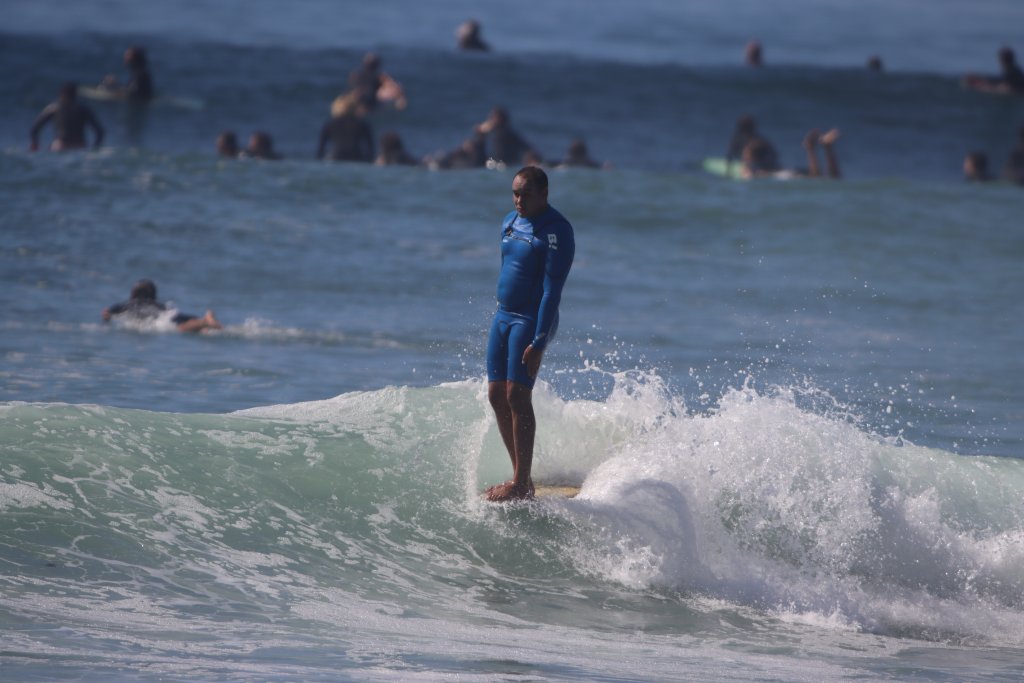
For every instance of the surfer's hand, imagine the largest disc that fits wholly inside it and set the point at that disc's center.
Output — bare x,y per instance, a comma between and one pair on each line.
532,359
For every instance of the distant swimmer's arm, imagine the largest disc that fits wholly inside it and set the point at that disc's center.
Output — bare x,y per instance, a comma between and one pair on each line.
37,125
810,144
391,90
111,311
97,128
987,84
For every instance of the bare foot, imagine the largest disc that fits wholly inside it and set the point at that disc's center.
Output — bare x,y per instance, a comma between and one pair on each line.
506,492
811,139
211,321
487,491
509,491
830,137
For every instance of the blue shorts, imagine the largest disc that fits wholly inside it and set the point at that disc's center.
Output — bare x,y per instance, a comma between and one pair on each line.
509,337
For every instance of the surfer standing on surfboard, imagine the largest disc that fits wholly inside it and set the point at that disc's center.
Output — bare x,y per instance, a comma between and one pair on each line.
537,248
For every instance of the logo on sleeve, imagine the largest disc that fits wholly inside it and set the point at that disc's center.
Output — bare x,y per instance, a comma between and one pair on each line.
553,241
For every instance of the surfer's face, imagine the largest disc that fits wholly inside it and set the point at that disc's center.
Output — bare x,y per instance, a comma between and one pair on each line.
529,200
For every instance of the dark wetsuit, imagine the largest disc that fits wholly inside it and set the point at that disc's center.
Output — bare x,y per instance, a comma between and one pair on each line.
507,146
536,256
471,154
69,122
140,87
146,309
365,82
737,142
1014,78
351,139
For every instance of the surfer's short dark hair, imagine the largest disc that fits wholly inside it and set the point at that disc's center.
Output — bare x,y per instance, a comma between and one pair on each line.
534,176
144,289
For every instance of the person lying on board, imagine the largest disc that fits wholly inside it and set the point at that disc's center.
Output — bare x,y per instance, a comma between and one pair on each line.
760,160
744,134
142,306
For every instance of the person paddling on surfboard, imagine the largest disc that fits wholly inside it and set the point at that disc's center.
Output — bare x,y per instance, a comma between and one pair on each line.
143,306
746,137
760,160
537,249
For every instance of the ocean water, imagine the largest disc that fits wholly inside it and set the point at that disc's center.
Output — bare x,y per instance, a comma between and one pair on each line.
795,408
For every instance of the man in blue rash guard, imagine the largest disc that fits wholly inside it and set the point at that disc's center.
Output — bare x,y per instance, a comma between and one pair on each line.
537,248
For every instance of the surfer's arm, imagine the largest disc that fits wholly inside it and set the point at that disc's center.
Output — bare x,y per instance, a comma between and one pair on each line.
113,310
556,270
37,125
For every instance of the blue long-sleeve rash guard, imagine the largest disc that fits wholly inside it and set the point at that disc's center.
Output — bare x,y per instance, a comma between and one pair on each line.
536,255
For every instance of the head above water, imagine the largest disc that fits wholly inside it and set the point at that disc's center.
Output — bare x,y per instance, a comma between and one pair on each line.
530,191
371,61
746,124
135,56
227,144
68,91
261,144
144,290
468,30
753,53
976,166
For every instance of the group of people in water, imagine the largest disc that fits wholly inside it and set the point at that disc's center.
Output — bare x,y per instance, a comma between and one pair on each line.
348,135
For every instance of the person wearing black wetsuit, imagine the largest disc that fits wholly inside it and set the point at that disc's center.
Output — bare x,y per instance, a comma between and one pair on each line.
537,250
507,146
143,306
70,117
468,35
1011,76
348,133
747,142
140,85
1009,82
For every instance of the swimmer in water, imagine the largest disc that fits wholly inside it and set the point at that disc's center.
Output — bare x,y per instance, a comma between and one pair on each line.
70,118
